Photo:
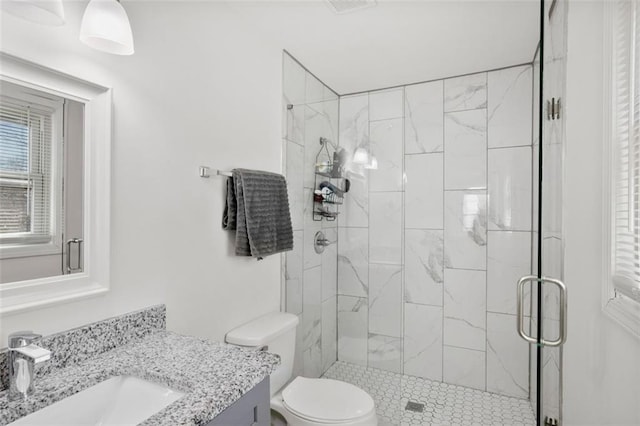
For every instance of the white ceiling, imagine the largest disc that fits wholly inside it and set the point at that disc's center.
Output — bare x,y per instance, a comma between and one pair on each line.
398,42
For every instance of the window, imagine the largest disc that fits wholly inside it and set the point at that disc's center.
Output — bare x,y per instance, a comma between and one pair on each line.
622,296
30,208
93,281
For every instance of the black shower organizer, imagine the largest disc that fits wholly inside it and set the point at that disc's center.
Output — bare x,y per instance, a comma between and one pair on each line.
328,175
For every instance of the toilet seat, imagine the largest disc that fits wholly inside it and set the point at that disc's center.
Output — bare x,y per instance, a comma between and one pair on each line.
326,400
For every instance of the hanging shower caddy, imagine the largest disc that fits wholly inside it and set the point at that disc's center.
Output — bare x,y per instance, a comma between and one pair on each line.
330,184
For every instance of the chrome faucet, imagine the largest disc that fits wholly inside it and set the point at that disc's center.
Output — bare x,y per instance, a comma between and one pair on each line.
23,355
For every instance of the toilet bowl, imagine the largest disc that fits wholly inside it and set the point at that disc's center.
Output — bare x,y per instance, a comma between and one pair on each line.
302,401
313,402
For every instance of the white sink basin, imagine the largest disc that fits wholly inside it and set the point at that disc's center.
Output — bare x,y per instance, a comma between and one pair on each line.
121,400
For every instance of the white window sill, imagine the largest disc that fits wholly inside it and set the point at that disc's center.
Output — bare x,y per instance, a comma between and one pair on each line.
28,295
625,312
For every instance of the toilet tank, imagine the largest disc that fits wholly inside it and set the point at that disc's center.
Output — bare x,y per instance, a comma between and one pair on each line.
277,331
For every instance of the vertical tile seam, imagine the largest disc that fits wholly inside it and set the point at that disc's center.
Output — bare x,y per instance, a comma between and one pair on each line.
402,238
486,272
533,219
444,244
304,242
337,235
368,227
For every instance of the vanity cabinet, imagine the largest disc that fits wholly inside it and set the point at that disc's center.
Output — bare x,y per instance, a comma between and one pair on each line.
252,409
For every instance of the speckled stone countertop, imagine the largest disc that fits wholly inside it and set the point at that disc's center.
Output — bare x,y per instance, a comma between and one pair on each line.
213,376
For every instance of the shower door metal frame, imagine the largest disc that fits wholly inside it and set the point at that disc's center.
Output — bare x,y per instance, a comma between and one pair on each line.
541,315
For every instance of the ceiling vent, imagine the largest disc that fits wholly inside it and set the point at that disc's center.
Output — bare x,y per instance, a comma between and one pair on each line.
347,6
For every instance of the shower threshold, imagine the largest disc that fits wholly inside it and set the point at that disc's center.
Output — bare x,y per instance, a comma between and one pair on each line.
399,398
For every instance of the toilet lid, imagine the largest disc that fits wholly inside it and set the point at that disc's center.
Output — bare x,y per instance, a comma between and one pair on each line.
326,399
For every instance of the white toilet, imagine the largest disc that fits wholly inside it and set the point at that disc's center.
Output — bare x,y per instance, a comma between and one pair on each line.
303,401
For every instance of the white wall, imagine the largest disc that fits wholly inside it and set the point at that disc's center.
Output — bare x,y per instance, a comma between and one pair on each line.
601,369
424,40
200,90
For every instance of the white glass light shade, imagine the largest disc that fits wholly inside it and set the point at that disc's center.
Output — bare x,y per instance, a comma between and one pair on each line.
361,156
47,12
105,26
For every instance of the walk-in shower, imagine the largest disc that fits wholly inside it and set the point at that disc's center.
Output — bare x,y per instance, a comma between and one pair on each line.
414,299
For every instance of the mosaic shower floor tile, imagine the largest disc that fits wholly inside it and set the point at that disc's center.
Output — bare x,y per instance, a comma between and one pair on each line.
442,404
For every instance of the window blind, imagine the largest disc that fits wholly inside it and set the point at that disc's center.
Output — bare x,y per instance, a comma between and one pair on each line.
626,277
26,139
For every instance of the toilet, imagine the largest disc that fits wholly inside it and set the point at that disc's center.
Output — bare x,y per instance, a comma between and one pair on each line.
302,401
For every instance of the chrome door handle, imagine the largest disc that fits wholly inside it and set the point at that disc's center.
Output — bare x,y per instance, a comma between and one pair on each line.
519,311
78,241
562,337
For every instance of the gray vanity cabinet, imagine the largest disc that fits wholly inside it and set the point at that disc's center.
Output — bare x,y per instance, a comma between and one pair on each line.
253,409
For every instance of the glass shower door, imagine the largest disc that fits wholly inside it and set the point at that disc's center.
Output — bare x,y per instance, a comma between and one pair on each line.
547,324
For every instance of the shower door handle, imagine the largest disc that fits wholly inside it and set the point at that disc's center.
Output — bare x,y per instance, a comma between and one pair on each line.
519,307
562,336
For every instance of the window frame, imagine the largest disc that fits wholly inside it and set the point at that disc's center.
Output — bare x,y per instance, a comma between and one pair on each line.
12,246
623,310
94,279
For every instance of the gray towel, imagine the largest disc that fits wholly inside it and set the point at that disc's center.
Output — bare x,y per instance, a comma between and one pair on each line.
230,208
257,207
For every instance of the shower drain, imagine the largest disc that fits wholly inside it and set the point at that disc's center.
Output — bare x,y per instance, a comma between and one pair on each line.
415,407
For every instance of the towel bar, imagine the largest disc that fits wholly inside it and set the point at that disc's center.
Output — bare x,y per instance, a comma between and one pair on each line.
204,172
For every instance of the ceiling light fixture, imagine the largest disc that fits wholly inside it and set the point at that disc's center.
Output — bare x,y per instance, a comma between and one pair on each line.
105,26
46,12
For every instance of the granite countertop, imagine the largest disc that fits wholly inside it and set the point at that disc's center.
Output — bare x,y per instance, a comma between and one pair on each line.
213,376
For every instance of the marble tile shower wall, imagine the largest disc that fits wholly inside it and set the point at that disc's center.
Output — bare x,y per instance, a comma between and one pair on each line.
310,112
432,242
